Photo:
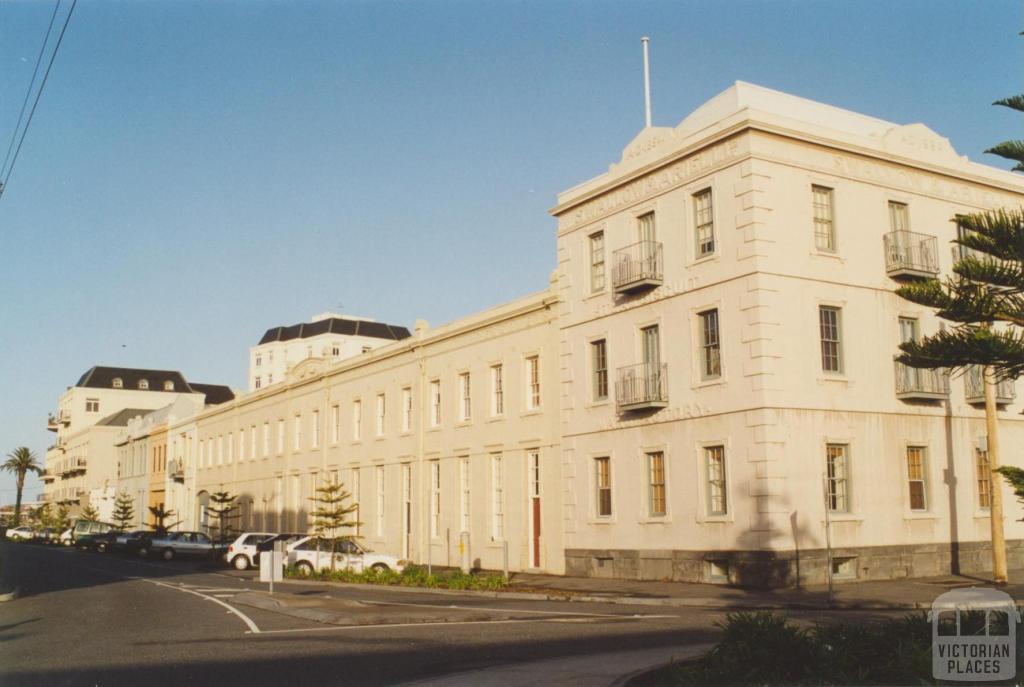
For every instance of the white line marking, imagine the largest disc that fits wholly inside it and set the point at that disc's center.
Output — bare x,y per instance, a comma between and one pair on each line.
431,624
499,610
246,619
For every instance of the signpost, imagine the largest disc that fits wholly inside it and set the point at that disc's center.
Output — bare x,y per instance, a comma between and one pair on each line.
272,565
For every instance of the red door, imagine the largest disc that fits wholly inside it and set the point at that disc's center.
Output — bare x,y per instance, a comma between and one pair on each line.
536,531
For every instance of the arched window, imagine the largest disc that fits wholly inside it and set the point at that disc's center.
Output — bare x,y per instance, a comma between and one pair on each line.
168,385
118,383
143,383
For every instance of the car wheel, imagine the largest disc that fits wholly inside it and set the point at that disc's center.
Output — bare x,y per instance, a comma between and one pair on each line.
240,563
305,568
15,538
380,567
167,554
101,548
143,551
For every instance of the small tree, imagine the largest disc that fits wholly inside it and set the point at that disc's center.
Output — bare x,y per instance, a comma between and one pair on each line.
331,514
90,514
62,520
160,517
124,511
226,511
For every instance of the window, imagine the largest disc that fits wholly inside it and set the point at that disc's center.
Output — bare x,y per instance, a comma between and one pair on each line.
435,403
270,357
168,385
382,410
270,378
316,429
824,232
220,449
280,436
357,419
497,498
645,228
309,351
258,382
916,477
144,384
899,218
335,349
464,494
603,480
984,477
533,382
297,433
335,423
266,439
597,262
465,409
705,223
241,445
380,500
92,405
406,409
435,499
711,355
714,458
831,344
118,383
231,448
497,391
837,477
599,361
252,441
656,483
259,359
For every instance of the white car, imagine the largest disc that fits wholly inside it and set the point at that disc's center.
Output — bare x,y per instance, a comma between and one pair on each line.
304,556
242,552
65,537
20,533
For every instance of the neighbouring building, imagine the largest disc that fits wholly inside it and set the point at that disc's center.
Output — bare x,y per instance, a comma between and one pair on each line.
327,335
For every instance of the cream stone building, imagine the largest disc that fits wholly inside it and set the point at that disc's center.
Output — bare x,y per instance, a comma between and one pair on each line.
327,335
453,430
727,331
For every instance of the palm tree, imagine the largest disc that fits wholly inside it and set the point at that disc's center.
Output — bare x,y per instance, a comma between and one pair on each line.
20,461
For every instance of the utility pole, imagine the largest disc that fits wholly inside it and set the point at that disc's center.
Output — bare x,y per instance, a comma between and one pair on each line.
999,575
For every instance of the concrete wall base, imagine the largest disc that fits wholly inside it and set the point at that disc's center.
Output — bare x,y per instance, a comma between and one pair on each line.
775,569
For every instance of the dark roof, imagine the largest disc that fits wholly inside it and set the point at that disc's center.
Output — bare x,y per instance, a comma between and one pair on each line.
121,417
336,325
103,378
215,393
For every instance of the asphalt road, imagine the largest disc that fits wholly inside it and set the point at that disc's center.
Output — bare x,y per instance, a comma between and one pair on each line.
92,619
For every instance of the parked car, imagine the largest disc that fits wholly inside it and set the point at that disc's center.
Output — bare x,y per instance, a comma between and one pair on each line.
100,542
65,537
83,527
23,533
242,552
129,542
267,544
174,544
46,535
303,554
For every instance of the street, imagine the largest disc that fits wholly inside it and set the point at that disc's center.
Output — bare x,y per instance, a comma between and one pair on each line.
91,619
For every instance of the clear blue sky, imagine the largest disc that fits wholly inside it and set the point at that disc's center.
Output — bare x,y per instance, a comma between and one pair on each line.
200,171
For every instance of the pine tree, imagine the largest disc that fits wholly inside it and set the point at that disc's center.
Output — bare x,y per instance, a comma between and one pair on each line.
62,519
124,511
225,510
90,514
160,518
1012,149
331,515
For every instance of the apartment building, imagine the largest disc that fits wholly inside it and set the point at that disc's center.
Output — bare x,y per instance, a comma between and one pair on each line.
81,466
445,439
727,329
328,335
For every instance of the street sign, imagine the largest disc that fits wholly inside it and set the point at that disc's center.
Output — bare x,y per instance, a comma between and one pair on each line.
272,565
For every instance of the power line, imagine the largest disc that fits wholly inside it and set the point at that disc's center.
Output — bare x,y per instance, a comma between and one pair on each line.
28,93
39,93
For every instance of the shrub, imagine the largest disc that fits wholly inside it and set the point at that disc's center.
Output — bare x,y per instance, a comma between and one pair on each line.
411,576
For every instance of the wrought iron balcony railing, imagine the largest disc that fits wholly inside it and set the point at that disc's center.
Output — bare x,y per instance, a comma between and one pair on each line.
911,255
636,267
1006,390
919,384
642,386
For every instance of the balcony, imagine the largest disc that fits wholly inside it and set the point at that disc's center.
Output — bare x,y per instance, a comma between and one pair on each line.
911,256
642,387
47,476
914,384
52,423
637,267
77,465
1006,390
176,470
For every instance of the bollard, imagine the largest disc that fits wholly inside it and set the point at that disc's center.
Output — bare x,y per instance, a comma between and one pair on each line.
430,547
504,558
464,551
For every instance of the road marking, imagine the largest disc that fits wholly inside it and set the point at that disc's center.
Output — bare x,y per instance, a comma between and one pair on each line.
231,609
503,610
389,625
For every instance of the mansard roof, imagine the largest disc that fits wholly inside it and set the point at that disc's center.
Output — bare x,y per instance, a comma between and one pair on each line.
336,325
100,377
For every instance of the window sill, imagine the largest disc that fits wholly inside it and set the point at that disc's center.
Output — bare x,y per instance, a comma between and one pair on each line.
715,519
530,412
436,428
982,514
656,520
596,294
463,423
405,433
495,543
598,404
717,381
711,257
920,515
844,517
833,379
832,255
496,418
609,520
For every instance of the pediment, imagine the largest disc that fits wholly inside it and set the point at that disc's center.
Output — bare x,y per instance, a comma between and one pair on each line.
918,141
310,367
